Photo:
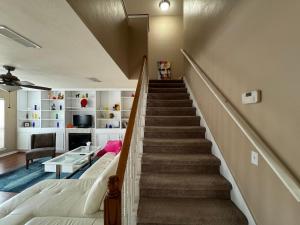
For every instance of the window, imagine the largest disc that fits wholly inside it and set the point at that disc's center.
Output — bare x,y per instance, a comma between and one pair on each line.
2,122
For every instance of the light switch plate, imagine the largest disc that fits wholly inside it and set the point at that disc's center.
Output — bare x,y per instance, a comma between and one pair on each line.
251,97
254,158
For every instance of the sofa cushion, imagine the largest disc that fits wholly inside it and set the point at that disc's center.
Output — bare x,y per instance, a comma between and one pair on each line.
96,194
51,198
65,221
98,167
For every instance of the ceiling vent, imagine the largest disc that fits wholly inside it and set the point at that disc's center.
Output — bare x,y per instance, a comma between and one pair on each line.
94,79
7,32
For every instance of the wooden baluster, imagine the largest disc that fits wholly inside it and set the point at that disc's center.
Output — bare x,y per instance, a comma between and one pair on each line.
112,202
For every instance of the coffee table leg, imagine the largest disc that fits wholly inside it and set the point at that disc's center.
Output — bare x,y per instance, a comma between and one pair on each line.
90,160
58,171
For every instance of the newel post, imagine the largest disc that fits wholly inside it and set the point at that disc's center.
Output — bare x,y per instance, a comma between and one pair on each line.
112,202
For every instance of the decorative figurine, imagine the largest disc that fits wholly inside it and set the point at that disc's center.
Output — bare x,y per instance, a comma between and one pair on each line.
116,107
84,102
60,96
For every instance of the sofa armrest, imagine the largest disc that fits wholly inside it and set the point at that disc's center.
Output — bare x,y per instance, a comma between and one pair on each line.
98,167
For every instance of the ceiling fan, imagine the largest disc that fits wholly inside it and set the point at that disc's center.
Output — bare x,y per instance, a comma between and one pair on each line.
9,82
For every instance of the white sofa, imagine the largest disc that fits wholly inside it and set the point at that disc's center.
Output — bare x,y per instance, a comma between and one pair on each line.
62,202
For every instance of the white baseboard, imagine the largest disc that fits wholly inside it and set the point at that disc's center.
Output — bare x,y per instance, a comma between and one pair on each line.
235,193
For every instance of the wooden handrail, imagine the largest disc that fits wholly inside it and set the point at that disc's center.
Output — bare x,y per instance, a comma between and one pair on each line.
129,130
112,202
283,173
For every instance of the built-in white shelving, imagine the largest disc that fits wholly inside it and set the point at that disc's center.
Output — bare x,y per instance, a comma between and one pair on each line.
55,109
127,100
43,112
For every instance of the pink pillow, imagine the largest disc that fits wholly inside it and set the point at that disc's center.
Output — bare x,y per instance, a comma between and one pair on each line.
113,146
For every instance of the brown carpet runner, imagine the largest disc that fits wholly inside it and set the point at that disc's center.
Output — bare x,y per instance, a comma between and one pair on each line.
180,182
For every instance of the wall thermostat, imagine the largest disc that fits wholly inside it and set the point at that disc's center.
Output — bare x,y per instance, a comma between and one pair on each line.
251,97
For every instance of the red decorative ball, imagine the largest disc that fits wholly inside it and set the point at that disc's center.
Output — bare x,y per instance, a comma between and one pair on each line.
84,102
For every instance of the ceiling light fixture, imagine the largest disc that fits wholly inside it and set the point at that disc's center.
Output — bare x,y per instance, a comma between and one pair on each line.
9,33
164,5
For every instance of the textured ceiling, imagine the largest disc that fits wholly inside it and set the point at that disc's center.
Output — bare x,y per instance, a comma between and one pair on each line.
69,53
151,7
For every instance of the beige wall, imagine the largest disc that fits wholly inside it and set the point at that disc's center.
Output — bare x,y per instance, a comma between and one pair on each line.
165,41
107,21
245,45
138,44
10,120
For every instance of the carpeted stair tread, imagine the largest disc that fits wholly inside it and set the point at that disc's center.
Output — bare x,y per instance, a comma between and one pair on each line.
188,149
166,85
169,211
175,159
177,142
174,96
184,182
172,120
169,103
175,129
174,132
180,163
171,111
165,81
167,90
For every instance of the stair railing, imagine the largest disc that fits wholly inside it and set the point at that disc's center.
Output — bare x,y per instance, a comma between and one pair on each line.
283,173
121,201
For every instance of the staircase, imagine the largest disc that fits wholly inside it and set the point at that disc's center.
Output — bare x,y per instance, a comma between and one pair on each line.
180,181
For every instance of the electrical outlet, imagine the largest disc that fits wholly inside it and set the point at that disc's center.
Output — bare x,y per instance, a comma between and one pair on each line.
254,158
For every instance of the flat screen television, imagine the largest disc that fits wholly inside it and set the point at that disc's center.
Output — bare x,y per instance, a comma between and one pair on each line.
82,121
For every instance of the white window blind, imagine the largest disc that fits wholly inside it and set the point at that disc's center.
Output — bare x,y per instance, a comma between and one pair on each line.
2,122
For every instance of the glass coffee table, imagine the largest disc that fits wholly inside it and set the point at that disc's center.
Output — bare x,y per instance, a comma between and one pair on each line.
71,161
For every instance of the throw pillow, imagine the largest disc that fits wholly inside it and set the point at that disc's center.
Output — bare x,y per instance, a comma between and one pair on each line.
113,146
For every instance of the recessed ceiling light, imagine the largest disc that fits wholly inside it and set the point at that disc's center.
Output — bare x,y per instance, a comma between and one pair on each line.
9,33
164,5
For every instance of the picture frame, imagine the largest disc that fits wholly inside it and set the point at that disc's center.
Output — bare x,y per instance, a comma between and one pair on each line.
164,70
26,124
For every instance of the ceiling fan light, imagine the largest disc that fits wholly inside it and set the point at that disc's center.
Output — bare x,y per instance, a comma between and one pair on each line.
9,88
164,5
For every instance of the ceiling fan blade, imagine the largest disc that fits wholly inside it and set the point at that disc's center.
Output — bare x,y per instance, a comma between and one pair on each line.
24,83
35,87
